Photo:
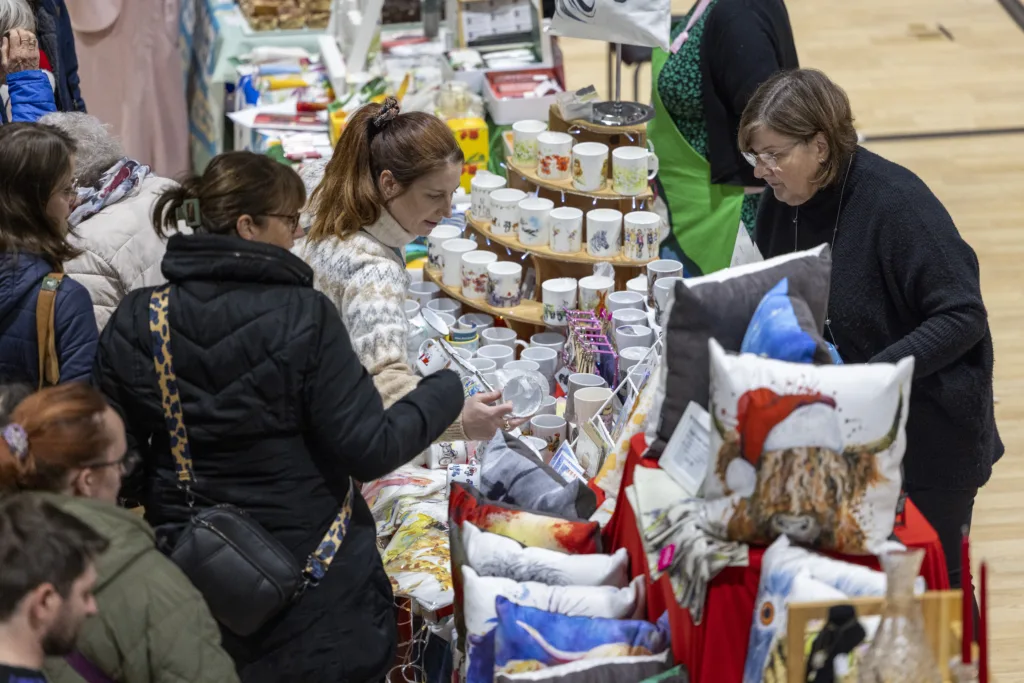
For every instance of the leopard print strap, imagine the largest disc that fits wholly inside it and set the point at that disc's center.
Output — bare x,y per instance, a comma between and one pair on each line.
319,561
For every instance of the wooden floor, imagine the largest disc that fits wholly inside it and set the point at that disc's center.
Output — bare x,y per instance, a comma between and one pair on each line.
904,75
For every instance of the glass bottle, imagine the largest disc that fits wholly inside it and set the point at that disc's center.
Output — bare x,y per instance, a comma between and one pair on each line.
900,650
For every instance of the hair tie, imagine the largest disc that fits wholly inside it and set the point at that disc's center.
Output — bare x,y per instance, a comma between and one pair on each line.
17,440
388,111
189,212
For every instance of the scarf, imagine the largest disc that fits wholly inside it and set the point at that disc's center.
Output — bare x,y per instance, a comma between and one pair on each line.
120,181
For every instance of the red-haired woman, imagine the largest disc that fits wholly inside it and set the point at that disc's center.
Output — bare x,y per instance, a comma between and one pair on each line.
66,443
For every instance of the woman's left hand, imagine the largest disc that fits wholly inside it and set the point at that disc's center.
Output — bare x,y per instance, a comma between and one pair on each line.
19,51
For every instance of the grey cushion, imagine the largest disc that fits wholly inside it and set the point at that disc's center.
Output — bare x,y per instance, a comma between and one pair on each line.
720,306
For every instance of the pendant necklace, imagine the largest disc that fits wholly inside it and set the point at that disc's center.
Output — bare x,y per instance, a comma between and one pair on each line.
832,246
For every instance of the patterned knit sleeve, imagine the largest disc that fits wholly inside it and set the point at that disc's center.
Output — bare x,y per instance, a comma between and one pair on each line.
373,312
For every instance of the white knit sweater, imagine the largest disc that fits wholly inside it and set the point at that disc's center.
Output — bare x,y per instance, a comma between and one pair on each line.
364,275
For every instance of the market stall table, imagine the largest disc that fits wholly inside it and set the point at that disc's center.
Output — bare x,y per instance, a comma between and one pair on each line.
715,650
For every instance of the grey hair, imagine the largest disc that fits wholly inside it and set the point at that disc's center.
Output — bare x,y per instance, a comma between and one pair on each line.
16,14
98,150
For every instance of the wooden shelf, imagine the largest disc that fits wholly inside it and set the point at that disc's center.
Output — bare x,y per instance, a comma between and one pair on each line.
566,185
540,251
528,311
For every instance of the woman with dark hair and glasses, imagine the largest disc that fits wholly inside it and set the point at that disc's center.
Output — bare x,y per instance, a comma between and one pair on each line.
36,196
904,283
68,445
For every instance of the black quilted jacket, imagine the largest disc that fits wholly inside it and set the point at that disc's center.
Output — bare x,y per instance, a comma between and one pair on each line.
279,413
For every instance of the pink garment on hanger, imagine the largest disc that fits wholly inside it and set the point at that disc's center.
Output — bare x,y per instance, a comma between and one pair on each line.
685,34
130,67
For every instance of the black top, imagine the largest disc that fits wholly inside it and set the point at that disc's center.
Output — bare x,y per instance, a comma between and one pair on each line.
15,674
904,283
745,42
280,413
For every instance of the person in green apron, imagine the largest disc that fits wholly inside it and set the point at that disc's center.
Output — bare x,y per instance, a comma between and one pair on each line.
720,53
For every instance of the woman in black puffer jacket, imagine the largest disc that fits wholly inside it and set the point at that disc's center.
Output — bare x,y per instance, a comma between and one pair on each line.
279,411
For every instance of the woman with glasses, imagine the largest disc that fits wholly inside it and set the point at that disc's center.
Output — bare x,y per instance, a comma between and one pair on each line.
37,192
904,283
721,51
279,414
68,445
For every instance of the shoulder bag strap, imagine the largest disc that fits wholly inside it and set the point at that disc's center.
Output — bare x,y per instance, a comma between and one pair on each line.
320,559
46,336
86,669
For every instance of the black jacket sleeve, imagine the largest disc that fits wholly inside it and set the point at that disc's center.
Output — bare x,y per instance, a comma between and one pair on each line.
348,429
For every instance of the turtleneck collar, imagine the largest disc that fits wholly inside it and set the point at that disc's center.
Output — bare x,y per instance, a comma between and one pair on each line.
388,231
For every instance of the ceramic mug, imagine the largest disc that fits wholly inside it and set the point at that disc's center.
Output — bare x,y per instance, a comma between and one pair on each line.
501,336
548,406
553,152
589,401
604,230
481,187
422,292
594,291
465,343
497,353
641,236
546,360
474,273
505,211
638,285
445,305
431,358
558,295
663,289
412,308
476,321
633,335
589,166
549,340
521,366
632,167
659,269
483,364
536,444
620,300
503,282
524,142
534,217
552,429
630,356
435,243
566,225
453,251
577,381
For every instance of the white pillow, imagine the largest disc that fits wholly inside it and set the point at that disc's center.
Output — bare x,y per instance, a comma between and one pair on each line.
813,452
497,556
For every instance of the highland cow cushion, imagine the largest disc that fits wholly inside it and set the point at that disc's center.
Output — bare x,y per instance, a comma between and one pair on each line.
720,306
809,451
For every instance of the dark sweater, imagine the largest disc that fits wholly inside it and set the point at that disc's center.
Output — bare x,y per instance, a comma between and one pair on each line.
904,283
745,42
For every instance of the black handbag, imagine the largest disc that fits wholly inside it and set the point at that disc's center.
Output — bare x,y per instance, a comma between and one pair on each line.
246,575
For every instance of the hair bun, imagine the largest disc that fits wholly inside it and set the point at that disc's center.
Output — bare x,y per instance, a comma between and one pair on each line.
388,111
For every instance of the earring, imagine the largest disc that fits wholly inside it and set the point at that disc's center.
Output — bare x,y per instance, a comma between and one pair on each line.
821,161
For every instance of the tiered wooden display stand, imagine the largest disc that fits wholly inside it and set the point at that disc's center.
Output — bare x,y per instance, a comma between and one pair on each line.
526,318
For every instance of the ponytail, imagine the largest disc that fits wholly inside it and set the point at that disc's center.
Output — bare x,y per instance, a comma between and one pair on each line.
377,138
170,204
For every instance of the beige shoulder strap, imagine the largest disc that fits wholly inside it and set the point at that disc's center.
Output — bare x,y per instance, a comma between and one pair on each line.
46,336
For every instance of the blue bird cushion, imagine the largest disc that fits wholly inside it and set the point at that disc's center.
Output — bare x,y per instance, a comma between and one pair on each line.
784,329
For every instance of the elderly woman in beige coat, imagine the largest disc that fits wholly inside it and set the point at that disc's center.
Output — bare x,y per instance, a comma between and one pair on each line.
111,223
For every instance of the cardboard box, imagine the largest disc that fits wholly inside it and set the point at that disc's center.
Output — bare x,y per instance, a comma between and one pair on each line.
506,110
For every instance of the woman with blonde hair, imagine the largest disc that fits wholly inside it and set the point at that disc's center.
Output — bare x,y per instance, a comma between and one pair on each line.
391,180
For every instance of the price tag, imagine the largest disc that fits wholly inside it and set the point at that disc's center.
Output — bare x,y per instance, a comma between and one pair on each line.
686,455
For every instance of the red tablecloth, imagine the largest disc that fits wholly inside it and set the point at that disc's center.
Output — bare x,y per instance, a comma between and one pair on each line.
721,640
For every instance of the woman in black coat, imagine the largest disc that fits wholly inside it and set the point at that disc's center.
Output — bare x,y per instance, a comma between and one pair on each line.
904,283
278,408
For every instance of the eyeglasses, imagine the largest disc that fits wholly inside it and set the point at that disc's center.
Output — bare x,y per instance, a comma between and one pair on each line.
289,219
71,191
128,462
769,159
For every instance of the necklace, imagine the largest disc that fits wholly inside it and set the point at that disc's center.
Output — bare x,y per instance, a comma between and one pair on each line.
832,246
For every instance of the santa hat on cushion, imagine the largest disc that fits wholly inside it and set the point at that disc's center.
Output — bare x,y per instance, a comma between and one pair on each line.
770,422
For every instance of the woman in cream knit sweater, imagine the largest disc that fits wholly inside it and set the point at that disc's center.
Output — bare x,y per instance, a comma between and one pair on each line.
390,180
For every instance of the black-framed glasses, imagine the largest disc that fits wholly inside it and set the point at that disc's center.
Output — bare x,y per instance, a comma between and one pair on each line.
290,219
127,463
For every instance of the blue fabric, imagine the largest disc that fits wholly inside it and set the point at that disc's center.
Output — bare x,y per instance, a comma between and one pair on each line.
31,95
56,37
775,332
74,322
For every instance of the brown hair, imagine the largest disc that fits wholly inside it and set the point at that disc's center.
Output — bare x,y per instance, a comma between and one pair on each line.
376,139
64,425
234,184
800,104
34,160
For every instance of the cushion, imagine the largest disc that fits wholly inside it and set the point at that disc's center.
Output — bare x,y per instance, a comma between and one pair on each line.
790,575
811,451
677,674
529,638
511,473
408,481
532,529
417,560
493,555
720,306
600,670
783,328
481,593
